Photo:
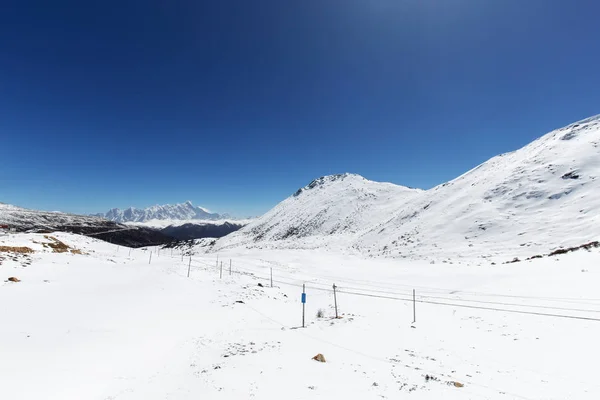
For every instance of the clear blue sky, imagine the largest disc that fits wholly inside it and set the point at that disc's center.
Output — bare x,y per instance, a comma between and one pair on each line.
235,104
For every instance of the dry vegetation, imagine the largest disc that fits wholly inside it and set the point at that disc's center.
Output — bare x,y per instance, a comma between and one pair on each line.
58,247
11,249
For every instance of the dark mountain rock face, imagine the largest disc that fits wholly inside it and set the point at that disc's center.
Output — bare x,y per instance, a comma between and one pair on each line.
199,231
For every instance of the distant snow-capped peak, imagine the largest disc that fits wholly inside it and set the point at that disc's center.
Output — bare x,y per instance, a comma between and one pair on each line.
182,211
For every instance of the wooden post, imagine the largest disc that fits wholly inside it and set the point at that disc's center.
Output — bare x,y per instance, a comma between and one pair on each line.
414,307
230,266
150,257
181,255
271,276
335,300
189,266
303,302
221,271
130,252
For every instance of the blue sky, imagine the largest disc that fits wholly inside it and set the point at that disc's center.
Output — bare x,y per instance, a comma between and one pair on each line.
235,104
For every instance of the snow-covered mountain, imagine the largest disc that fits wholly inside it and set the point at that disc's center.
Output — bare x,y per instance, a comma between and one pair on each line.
536,199
533,200
183,211
24,220
330,210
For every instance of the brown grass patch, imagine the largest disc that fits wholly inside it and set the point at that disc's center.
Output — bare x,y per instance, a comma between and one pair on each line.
21,250
59,247
56,245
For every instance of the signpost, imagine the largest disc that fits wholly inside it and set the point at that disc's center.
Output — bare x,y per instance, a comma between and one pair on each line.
335,301
303,302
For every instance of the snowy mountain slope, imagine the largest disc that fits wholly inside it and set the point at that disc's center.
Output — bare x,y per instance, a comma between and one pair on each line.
330,210
522,203
183,211
22,219
527,202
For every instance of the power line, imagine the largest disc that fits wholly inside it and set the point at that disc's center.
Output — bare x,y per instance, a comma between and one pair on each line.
434,290
476,307
390,296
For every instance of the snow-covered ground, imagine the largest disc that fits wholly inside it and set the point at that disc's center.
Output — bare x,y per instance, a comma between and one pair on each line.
107,324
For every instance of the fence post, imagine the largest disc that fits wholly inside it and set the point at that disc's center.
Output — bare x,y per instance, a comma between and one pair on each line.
221,271
150,261
271,276
414,307
130,252
189,266
335,300
230,266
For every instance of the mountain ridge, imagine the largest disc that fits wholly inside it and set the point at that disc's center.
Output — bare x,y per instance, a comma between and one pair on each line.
179,211
498,207
26,220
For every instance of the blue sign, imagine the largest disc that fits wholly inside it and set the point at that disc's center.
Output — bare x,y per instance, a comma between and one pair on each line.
303,298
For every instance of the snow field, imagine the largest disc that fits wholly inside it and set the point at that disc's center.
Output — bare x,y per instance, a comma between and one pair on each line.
109,325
